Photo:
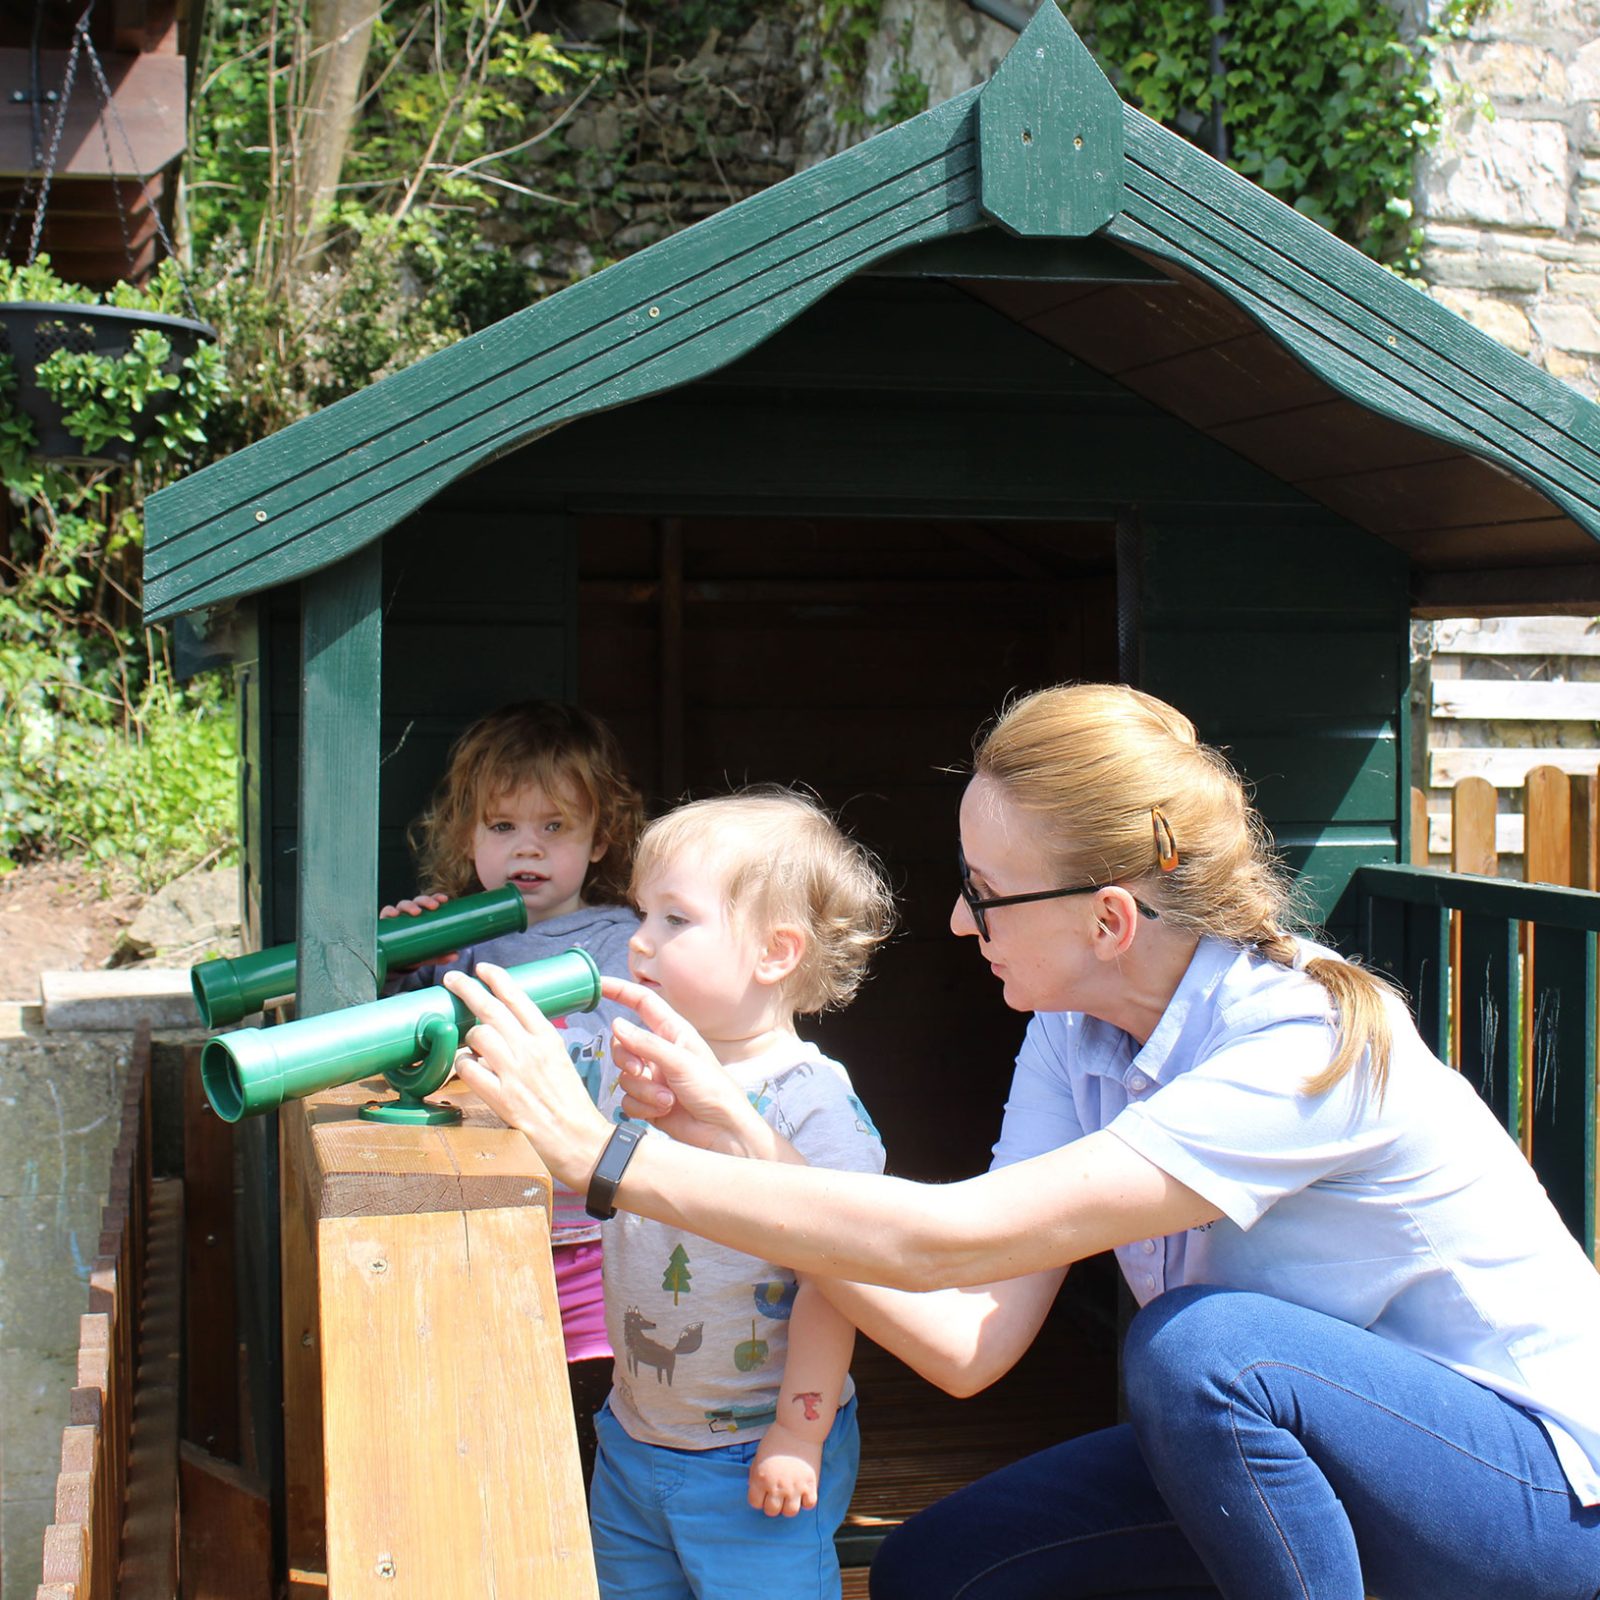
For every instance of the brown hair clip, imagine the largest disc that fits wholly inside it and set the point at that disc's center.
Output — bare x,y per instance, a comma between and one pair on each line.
1166,840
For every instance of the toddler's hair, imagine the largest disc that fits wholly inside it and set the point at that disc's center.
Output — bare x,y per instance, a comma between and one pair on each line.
570,754
784,859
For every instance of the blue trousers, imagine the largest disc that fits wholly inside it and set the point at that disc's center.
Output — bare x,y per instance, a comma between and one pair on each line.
1273,1454
676,1524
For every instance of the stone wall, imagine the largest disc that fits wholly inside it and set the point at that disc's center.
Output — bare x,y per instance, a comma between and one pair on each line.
1509,204
1509,199
695,124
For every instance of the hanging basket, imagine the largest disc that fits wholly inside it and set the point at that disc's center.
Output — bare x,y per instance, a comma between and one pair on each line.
32,331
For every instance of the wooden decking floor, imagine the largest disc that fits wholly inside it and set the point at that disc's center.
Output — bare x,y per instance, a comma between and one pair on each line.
919,1444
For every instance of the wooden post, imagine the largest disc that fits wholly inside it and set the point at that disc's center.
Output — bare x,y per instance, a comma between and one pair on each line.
1472,849
337,951
1547,858
1419,827
448,1439
1585,866
1547,827
671,659
1472,843
340,660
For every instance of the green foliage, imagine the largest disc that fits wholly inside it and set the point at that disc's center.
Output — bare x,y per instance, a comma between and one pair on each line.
453,82
848,28
87,725
1325,105
142,787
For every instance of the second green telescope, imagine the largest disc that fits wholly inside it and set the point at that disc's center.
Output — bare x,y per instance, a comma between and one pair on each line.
234,986
410,1038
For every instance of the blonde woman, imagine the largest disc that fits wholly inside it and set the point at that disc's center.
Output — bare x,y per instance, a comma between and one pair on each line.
1368,1359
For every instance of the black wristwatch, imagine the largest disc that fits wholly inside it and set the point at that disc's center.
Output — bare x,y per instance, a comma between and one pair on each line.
608,1170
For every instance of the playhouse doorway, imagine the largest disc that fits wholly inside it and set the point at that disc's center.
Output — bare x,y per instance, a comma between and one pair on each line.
858,657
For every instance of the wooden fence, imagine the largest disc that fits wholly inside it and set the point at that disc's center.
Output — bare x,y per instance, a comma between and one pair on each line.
1554,827
1502,974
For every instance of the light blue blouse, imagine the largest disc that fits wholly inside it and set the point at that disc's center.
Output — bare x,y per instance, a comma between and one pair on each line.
1416,1217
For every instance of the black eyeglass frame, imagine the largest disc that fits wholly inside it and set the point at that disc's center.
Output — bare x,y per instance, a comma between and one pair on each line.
978,906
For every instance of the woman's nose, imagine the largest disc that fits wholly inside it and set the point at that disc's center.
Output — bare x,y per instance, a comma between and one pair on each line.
962,921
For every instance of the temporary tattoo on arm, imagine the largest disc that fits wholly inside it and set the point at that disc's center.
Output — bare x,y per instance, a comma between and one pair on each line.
810,1403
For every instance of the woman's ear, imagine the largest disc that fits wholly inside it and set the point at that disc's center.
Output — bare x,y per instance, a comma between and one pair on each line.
780,953
1116,915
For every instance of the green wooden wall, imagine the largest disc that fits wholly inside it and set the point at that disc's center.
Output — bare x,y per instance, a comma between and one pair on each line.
1281,628
478,608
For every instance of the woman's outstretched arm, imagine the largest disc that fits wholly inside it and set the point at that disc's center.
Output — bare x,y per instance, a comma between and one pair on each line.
1037,1215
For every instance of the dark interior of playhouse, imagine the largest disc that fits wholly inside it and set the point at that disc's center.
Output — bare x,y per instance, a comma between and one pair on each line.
830,562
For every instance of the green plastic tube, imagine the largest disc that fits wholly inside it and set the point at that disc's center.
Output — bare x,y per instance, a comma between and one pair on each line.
410,1038
233,987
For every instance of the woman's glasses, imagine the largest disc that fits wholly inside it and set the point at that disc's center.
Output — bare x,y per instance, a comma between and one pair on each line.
979,906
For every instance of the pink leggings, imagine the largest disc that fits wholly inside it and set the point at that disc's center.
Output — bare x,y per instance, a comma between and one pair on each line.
583,1306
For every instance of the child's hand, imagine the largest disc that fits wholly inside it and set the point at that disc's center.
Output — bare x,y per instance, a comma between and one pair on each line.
414,907
783,1476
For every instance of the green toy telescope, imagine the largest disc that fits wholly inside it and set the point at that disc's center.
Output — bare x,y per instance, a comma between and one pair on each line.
231,988
410,1038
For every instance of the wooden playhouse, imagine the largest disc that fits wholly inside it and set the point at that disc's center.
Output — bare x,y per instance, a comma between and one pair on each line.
1024,389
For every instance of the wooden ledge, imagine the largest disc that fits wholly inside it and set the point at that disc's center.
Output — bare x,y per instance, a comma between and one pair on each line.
355,1168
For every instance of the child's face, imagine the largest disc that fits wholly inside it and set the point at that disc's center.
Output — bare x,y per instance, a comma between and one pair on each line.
695,953
524,838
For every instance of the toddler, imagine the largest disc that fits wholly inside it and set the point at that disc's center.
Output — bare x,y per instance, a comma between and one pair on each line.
728,1446
535,795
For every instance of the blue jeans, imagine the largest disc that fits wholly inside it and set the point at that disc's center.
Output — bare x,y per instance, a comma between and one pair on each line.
676,1524
1274,1454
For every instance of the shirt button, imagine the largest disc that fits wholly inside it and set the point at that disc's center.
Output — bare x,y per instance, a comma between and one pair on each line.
1149,1247
1138,1083
1149,1282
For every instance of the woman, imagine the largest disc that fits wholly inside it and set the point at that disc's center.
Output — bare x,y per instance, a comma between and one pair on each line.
1368,1358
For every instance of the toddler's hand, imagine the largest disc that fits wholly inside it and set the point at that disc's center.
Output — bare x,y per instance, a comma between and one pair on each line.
784,1474
415,906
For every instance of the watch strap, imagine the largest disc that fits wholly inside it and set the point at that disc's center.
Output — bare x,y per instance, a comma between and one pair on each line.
607,1174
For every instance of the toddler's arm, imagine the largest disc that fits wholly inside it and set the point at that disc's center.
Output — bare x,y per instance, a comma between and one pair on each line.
788,1463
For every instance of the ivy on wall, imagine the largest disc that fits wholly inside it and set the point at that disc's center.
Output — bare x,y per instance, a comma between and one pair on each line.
1323,102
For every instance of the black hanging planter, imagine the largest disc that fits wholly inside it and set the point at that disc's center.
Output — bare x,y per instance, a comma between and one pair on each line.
32,331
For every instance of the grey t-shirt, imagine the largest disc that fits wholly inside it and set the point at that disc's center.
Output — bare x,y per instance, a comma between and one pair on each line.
604,932
701,1331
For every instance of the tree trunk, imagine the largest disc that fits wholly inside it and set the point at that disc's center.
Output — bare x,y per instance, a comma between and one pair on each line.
340,36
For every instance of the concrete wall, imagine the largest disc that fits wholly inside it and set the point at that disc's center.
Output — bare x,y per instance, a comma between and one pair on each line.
60,1095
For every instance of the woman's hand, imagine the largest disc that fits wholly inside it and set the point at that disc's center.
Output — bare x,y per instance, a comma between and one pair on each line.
671,1078
516,1064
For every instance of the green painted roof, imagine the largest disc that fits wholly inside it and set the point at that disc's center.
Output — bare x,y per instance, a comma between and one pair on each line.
1045,149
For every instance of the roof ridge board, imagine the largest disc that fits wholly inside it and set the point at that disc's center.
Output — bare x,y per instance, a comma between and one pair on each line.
690,333
486,448
1354,379
1528,386
1482,420
164,593
921,143
308,483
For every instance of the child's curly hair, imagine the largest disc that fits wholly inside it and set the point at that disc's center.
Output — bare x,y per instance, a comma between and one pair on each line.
569,753
782,858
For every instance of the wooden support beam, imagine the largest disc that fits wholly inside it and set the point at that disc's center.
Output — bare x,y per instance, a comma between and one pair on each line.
211,1368
226,1531
341,668
420,1270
